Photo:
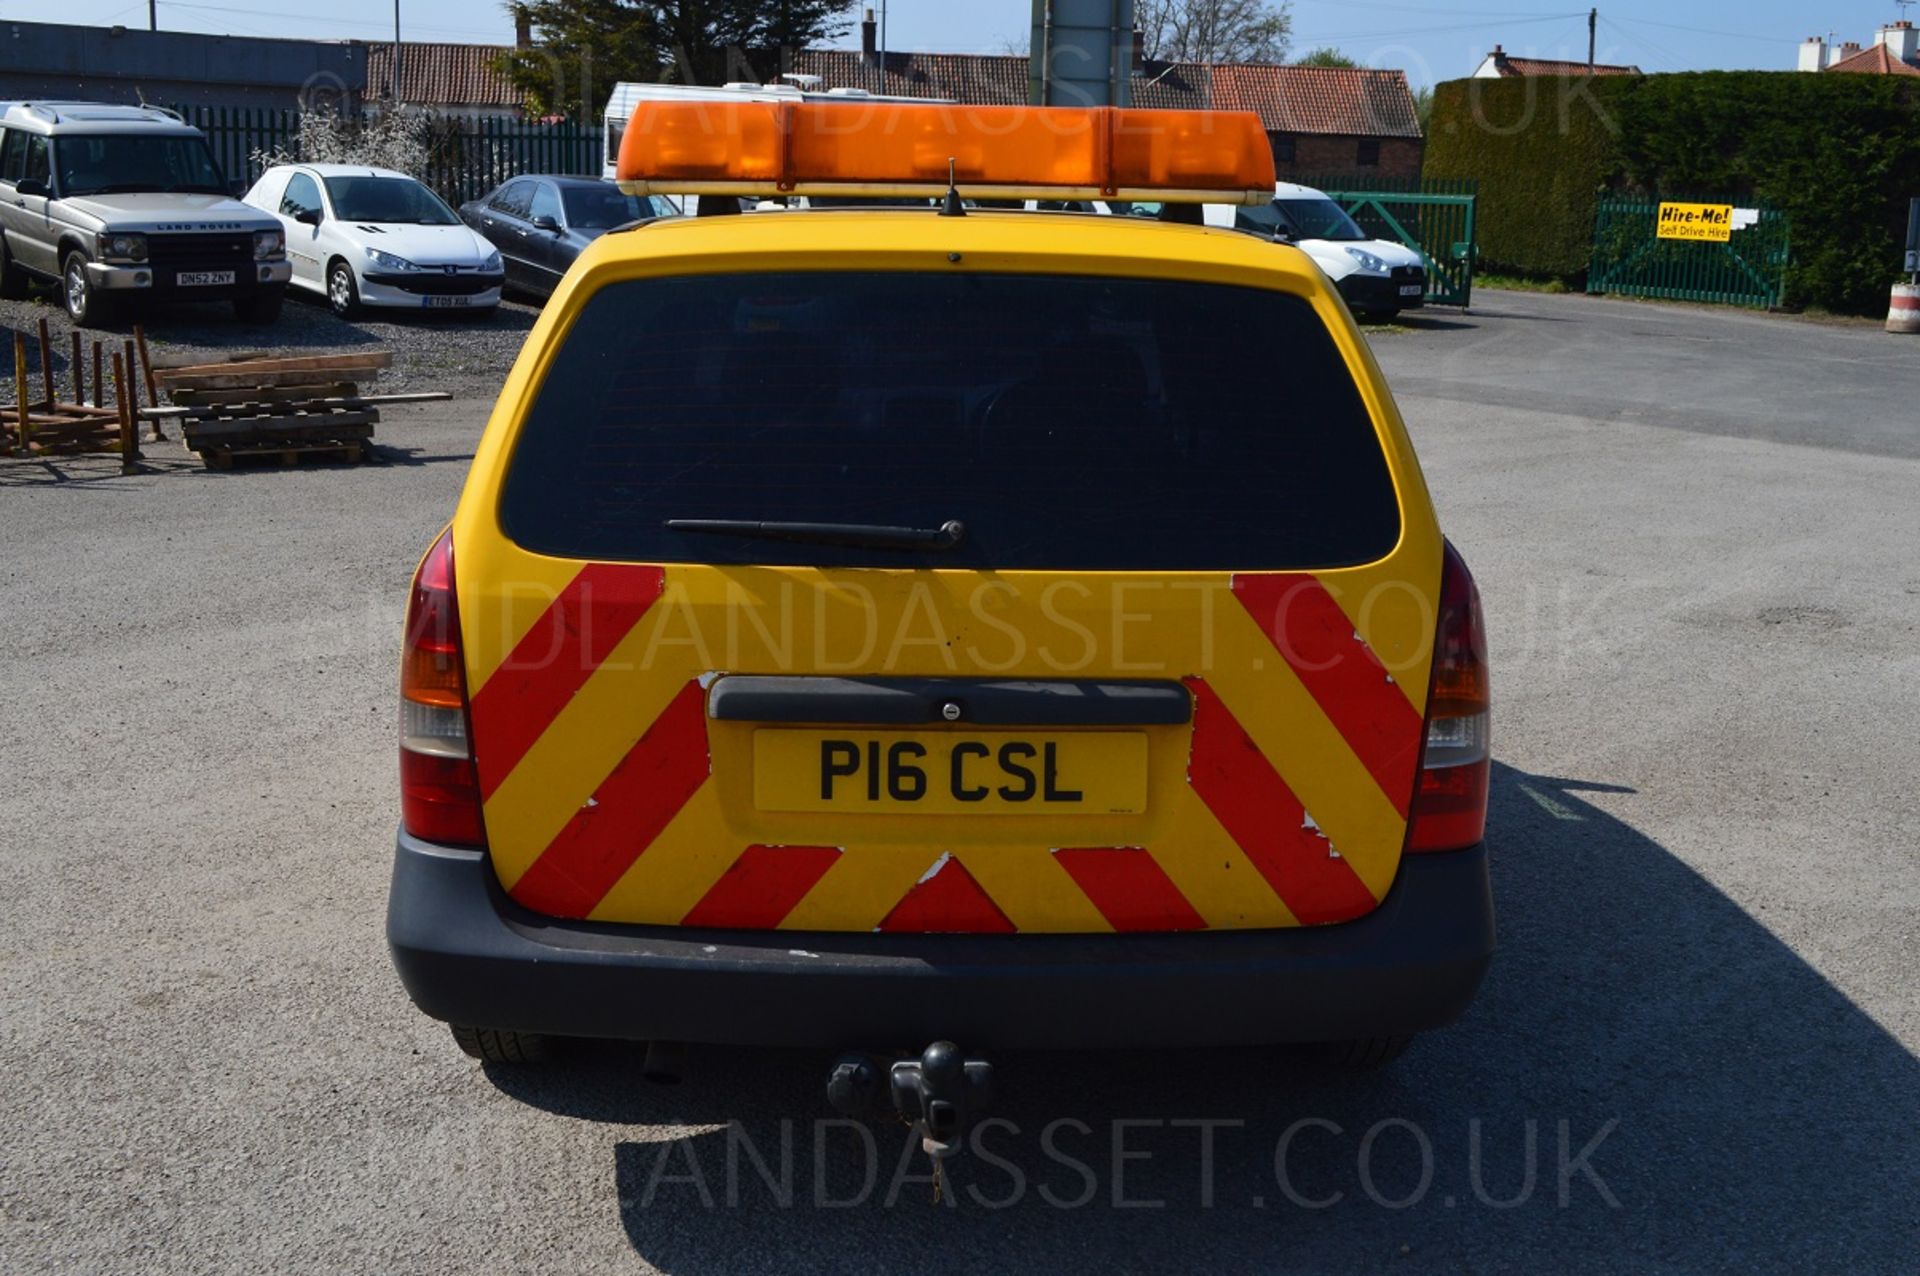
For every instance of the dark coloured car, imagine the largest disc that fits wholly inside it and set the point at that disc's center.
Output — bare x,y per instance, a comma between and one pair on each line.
540,223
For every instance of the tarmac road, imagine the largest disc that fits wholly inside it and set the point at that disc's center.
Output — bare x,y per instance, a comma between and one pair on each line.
1695,533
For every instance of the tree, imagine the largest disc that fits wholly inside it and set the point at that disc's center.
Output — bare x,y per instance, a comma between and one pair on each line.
1327,57
1423,105
1215,30
582,47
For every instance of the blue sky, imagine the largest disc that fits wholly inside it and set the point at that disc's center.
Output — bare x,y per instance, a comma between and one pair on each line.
1431,39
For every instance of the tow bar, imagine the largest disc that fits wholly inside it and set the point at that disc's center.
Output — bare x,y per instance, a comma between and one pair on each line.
941,1094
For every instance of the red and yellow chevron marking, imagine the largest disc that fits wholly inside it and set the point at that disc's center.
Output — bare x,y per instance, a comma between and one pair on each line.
1339,670
1129,888
610,795
629,809
554,659
762,887
1261,813
947,901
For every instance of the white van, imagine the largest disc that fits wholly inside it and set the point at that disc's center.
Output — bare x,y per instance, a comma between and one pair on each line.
794,87
1377,277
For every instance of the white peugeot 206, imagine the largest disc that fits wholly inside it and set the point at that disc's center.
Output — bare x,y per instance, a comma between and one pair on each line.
363,236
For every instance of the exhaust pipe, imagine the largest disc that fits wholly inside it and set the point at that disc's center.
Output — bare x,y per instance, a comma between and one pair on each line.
666,1062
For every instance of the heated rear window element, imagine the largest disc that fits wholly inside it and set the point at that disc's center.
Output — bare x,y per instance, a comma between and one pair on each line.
1068,422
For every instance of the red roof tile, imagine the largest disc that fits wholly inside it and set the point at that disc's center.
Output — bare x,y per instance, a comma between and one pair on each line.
1347,101
1512,66
975,79
442,75
1173,86
1875,61
1289,99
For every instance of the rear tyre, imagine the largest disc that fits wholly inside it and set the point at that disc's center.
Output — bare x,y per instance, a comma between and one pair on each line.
259,307
498,1045
343,290
86,305
1361,1055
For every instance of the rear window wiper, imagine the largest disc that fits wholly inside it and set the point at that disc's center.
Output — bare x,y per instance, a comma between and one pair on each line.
863,535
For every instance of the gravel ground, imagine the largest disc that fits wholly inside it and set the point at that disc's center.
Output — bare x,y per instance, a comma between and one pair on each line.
462,355
1694,533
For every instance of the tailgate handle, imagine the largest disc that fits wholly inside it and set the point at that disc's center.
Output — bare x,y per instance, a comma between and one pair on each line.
980,702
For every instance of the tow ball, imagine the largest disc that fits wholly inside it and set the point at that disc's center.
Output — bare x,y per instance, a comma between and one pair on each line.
942,1093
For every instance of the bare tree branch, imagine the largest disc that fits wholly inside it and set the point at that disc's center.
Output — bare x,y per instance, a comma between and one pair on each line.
1215,30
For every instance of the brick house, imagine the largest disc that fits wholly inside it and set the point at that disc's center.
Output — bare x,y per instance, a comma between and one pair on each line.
1338,120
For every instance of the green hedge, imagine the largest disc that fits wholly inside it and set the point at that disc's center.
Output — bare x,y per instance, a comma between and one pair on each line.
1541,150
1839,153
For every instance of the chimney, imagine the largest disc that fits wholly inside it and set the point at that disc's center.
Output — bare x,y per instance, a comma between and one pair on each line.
1902,41
522,29
869,39
1139,49
1845,51
1500,58
1813,53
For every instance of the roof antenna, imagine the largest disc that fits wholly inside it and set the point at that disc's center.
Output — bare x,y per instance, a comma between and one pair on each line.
952,207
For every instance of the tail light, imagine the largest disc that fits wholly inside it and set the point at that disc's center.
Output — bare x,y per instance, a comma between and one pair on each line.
439,787
1450,806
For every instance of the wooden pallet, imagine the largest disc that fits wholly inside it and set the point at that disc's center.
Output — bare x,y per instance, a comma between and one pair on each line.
303,427
282,409
260,374
347,452
342,396
207,402
329,435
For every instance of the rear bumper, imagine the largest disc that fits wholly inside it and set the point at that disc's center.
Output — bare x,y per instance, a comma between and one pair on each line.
468,954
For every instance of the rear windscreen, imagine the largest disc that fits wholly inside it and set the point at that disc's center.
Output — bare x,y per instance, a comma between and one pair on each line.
1069,422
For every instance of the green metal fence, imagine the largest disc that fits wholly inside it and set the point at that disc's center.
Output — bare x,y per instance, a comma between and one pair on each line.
236,132
471,157
1630,259
1438,227
1370,180
465,157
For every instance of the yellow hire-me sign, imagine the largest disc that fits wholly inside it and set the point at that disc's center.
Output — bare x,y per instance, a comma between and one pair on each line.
1712,222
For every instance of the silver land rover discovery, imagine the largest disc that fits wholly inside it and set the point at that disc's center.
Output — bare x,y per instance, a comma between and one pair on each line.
116,203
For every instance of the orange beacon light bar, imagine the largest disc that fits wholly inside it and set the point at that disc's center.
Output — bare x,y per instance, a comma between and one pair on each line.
905,149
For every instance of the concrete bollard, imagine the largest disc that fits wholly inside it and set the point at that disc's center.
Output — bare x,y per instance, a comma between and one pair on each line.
1904,314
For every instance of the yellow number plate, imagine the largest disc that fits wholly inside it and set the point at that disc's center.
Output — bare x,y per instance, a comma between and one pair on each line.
951,773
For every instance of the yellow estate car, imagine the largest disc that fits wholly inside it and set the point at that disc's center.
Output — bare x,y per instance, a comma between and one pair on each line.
871,628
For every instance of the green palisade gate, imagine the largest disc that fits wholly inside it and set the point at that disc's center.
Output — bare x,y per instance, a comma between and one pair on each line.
1630,260
1438,227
